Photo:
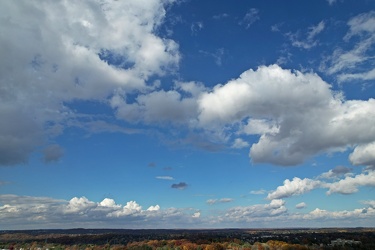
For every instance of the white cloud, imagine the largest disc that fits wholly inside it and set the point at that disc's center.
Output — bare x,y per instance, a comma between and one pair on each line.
370,203
239,143
109,203
255,212
363,155
350,185
334,215
293,124
79,205
169,178
337,180
196,215
259,126
154,208
336,173
159,106
295,187
301,205
53,53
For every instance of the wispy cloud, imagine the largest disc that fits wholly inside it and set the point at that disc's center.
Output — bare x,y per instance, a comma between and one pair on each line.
169,178
309,40
350,64
221,16
258,192
222,200
331,2
217,55
196,27
251,16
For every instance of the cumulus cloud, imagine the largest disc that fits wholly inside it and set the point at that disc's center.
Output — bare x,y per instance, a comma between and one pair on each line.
154,208
31,212
275,214
44,212
350,185
336,172
49,62
292,125
338,215
252,213
363,155
370,203
196,215
239,143
259,126
295,187
338,180
109,203
181,185
156,107
301,205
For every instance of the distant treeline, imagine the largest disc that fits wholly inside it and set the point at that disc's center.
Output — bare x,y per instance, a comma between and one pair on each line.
87,239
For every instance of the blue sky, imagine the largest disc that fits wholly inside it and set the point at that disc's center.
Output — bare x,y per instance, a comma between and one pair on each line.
187,114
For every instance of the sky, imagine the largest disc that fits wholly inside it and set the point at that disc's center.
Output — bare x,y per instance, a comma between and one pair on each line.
187,114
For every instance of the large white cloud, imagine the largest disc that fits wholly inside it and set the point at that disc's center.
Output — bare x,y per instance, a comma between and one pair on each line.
296,114
54,52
